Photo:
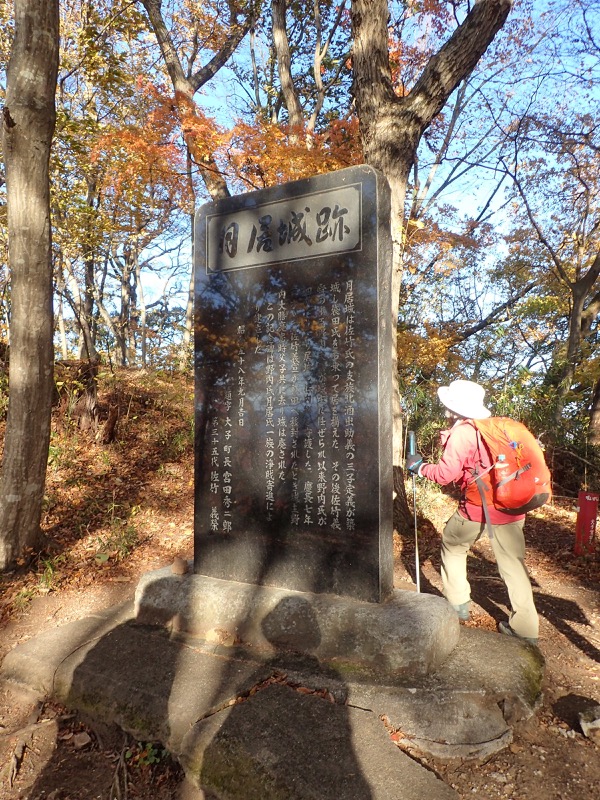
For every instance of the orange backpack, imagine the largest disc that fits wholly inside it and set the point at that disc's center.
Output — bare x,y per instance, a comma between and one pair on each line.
518,479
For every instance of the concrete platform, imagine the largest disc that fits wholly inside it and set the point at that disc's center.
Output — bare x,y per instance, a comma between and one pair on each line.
276,724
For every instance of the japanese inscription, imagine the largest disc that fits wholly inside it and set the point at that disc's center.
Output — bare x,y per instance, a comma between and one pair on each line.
315,224
308,417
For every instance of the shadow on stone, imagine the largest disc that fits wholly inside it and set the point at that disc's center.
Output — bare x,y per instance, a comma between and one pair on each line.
293,741
284,740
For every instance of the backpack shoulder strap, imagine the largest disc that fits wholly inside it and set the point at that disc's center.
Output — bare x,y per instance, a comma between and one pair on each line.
484,505
484,471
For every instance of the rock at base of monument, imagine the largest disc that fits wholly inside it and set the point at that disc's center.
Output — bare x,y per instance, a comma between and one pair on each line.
284,745
411,634
160,688
469,706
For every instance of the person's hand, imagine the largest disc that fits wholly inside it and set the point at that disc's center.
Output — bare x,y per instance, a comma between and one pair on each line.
413,463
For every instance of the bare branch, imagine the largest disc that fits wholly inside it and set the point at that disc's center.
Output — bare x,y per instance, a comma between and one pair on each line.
493,316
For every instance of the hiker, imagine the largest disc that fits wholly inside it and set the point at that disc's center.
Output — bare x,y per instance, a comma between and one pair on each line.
462,455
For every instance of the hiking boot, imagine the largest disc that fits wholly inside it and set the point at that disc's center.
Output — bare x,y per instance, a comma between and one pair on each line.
504,627
463,610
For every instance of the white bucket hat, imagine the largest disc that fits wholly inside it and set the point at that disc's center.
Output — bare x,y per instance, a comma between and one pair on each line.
464,398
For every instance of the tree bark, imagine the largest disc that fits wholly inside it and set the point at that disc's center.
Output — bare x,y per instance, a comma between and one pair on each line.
391,126
186,86
86,317
284,66
594,427
28,126
580,294
62,328
183,351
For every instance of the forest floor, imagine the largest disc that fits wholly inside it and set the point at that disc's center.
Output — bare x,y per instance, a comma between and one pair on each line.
116,511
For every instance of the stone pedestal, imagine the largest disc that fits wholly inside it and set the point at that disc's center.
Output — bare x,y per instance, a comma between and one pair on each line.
409,635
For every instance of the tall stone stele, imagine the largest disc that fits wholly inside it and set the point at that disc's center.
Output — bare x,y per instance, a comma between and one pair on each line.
293,337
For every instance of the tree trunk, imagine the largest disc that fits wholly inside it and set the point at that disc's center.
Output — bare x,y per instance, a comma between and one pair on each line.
87,321
142,316
128,308
580,294
62,328
86,318
391,126
28,127
185,87
284,65
594,427
183,351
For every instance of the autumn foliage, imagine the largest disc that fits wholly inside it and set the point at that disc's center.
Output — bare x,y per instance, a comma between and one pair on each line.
260,154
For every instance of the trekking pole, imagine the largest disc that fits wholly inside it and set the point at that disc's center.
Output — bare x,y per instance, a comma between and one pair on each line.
412,449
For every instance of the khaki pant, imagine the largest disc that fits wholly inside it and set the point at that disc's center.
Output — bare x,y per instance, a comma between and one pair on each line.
508,545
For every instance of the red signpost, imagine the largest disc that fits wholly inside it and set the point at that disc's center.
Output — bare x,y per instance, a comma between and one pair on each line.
585,528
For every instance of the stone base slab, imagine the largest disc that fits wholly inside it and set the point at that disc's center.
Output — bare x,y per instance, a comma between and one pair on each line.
268,697
411,634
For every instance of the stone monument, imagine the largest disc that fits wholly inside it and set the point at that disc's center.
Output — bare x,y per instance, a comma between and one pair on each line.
293,472
293,336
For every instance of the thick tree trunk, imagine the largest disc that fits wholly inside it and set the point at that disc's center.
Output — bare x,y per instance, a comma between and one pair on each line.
391,126
284,66
28,126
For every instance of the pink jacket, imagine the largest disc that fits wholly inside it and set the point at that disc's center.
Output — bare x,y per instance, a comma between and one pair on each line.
461,456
